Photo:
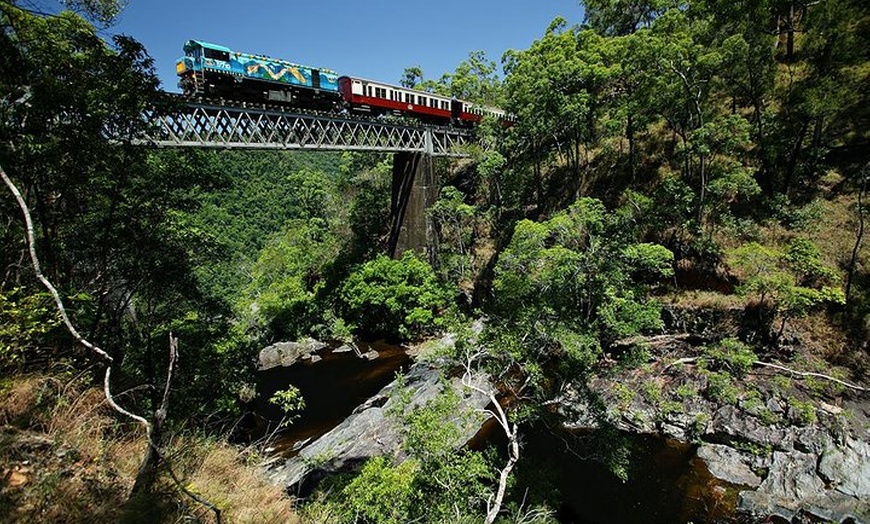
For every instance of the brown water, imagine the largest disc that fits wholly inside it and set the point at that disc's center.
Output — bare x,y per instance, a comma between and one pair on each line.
332,389
666,483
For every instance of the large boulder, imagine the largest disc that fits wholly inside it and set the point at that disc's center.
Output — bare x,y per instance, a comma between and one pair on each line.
287,353
372,431
728,464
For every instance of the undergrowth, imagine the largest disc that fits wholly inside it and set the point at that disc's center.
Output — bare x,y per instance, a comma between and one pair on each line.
66,457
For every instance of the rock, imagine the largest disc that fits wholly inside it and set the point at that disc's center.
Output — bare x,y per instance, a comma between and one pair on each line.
316,358
829,408
287,353
791,479
774,405
370,431
343,349
847,468
793,487
728,464
370,355
730,424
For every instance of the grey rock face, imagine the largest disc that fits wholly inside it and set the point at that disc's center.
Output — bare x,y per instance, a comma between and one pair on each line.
847,468
728,464
793,486
287,353
370,431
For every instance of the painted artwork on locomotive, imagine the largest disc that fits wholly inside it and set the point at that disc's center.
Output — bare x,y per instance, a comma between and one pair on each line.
211,58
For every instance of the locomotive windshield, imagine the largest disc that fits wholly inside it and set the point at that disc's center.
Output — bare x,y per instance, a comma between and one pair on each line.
217,55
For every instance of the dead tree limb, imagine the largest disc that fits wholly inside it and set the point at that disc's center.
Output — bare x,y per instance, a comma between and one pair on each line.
802,374
160,414
809,374
493,505
31,245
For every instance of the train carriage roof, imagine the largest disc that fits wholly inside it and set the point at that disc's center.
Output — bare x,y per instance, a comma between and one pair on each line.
193,44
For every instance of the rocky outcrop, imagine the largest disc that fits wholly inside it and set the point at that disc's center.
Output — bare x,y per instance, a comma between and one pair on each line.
287,353
373,431
782,464
833,489
728,464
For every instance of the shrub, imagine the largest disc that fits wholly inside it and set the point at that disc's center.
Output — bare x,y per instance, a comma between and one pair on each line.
732,355
721,388
381,493
394,298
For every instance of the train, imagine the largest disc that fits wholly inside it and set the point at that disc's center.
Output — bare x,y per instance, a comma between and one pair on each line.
213,71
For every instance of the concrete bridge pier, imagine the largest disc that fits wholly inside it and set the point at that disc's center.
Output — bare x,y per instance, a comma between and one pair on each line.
415,189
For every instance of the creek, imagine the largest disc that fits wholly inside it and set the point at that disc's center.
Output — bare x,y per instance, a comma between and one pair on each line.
332,388
666,482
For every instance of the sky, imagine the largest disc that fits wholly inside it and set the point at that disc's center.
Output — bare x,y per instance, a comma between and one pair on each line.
374,39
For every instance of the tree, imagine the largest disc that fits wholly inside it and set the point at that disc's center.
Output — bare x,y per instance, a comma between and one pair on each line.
411,77
791,283
475,80
283,297
622,17
454,220
394,298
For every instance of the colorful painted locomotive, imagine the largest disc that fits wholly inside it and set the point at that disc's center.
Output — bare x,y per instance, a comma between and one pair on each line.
218,72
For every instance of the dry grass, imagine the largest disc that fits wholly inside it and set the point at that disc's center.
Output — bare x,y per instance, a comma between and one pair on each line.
237,488
703,299
65,457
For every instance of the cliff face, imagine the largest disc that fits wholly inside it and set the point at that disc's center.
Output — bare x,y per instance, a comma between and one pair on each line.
787,445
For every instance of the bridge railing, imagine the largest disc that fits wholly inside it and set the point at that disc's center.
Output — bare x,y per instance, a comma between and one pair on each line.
207,125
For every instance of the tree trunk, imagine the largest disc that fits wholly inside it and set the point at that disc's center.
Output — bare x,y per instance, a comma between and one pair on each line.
859,236
789,46
147,474
629,134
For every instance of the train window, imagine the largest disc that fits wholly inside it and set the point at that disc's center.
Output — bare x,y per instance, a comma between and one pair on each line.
369,90
409,98
421,100
217,55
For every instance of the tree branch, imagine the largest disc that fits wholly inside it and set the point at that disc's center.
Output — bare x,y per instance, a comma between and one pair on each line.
691,360
173,349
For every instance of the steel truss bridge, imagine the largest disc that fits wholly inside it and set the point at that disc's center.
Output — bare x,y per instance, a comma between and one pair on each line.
203,124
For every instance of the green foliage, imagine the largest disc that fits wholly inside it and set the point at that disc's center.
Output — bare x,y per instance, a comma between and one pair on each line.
793,282
23,321
290,401
802,412
731,355
455,222
721,387
439,482
282,296
635,357
394,298
381,494
566,285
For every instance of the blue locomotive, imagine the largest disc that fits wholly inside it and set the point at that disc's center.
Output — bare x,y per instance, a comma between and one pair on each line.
216,71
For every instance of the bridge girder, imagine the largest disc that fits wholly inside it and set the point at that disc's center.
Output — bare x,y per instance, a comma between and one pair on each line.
206,125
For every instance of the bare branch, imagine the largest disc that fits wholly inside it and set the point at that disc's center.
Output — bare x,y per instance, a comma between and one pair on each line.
691,360
809,374
160,414
111,400
31,245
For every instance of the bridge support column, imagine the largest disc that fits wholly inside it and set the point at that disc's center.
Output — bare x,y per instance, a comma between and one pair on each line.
415,189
